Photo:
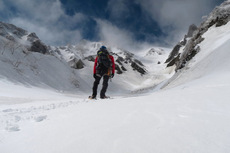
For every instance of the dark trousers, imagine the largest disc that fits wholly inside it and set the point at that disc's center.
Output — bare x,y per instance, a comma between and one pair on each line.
104,85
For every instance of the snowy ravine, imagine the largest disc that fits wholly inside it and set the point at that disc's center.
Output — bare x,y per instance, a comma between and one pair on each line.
190,114
26,60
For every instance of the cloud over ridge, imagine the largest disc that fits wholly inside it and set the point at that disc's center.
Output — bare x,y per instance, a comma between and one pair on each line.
123,22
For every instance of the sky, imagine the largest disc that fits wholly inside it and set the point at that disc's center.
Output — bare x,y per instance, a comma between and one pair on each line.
118,22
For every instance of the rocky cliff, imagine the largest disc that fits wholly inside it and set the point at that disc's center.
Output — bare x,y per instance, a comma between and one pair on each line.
186,49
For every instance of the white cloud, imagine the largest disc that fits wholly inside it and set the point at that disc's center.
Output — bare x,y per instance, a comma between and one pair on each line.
175,16
48,20
117,8
49,35
115,36
43,10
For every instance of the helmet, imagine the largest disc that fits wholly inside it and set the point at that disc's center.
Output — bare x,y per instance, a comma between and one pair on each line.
103,48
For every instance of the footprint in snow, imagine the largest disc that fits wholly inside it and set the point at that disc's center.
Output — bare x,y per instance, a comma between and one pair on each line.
40,118
7,110
17,118
13,128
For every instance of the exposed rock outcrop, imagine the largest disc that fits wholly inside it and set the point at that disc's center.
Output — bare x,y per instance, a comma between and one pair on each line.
9,30
218,17
15,34
36,44
124,58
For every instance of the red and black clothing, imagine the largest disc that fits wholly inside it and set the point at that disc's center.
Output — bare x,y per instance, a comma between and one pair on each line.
106,74
109,71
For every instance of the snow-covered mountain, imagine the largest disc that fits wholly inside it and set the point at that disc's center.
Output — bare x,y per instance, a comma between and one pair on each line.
27,60
189,114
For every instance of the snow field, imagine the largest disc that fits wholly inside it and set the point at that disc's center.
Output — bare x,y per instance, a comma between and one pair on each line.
189,118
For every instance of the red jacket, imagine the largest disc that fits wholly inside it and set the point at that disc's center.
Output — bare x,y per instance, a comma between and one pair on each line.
113,64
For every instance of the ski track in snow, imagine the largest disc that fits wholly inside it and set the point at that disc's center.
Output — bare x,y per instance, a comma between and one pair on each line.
11,118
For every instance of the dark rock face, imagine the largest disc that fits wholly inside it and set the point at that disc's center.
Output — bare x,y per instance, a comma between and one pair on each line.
3,31
174,53
222,21
36,44
13,33
6,29
123,68
136,67
118,69
218,17
129,59
32,37
9,37
174,60
76,63
191,30
138,62
90,58
79,64
174,56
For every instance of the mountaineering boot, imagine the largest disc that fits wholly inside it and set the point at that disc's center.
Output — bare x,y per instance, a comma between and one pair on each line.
92,97
104,97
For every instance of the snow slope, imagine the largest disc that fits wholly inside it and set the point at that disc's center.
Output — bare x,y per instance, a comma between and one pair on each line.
191,114
213,59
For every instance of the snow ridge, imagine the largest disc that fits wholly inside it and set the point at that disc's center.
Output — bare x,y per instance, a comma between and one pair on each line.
189,47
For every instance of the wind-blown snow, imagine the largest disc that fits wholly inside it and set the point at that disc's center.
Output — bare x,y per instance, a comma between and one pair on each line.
191,114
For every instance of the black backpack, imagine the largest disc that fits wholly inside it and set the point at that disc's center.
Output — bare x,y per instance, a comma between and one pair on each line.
104,62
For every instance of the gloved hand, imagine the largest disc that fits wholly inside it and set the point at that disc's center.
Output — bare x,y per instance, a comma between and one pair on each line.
112,75
94,75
